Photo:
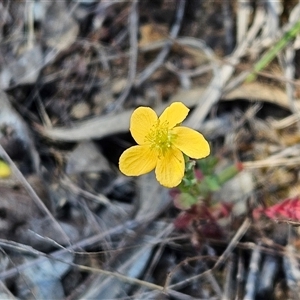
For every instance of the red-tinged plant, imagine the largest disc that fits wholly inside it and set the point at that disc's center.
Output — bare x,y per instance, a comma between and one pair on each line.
204,219
194,198
194,214
288,209
201,181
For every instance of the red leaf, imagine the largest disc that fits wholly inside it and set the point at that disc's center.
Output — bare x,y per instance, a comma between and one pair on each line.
183,220
286,209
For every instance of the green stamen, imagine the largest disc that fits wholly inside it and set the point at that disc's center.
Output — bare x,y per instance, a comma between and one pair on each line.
160,137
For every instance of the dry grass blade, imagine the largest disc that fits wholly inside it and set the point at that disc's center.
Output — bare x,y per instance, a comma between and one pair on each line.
292,271
165,51
253,274
220,261
243,17
93,63
82,244
99,127
213,93
32,193
133,33
272,163
123,278
229,285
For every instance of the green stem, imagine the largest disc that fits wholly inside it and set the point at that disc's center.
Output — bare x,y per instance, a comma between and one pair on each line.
270,55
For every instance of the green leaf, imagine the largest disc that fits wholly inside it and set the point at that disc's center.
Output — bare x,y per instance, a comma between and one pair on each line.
228,173
184,201
207,164
212,183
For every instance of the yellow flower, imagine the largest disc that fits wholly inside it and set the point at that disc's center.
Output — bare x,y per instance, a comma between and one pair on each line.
161,144
4,170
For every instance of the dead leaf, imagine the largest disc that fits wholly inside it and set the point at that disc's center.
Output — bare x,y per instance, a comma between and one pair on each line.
152,33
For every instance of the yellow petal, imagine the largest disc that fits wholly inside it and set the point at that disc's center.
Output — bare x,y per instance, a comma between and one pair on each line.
174,114
191,142
142,119
137,160
4,170
170,168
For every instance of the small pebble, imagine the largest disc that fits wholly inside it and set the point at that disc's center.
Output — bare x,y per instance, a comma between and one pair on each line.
80,110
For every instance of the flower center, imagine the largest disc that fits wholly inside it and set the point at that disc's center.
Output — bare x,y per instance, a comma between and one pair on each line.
160,137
